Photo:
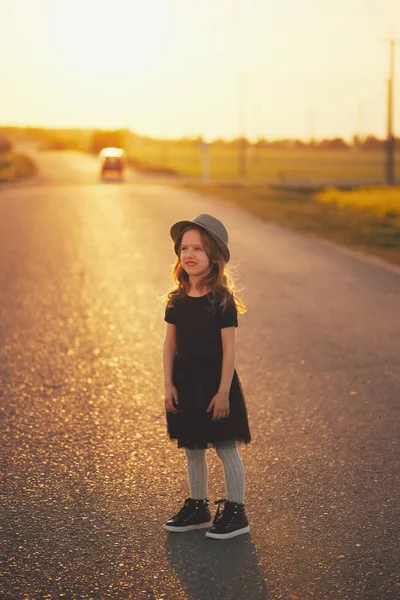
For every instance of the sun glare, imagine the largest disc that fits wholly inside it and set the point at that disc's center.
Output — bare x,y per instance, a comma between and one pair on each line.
111,38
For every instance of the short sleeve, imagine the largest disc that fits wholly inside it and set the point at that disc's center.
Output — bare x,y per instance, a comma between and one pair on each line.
170,315
228,318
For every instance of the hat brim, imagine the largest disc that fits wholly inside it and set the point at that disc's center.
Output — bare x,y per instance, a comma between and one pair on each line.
178,227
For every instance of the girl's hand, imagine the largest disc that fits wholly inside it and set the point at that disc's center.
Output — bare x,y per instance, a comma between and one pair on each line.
170,397
220,404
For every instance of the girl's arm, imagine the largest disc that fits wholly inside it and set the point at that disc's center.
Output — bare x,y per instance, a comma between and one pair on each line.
220,403
169,350
228,335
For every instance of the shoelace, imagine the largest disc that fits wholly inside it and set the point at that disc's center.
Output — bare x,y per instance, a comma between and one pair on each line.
220,510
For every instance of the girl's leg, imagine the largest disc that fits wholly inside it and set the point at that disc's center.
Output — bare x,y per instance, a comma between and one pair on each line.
198,473
234,471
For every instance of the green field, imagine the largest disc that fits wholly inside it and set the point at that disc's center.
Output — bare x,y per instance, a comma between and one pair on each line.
273,165
366,219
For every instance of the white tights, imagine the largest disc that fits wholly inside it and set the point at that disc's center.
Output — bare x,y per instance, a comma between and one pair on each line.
233,469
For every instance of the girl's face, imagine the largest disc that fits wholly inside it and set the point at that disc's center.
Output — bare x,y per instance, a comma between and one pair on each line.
193,255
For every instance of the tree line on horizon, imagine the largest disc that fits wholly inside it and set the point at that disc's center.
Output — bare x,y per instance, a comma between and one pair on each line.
93,140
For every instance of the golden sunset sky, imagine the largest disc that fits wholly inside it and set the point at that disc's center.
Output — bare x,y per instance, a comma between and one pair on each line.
170,68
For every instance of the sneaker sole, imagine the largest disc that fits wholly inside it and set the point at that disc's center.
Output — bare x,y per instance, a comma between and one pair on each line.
188,527
226,536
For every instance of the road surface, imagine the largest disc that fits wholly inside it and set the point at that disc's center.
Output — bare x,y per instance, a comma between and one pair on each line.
88,474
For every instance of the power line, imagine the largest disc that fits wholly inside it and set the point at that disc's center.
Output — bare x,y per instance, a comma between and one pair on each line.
242,142
391,140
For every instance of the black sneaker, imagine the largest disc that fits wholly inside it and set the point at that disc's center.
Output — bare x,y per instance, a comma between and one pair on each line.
229,521
194,514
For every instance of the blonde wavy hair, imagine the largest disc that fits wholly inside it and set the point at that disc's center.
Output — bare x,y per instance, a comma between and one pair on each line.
219,280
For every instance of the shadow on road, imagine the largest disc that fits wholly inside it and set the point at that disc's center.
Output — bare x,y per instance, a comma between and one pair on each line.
215,569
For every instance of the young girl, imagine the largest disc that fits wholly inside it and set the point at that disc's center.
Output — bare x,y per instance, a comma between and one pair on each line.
203,396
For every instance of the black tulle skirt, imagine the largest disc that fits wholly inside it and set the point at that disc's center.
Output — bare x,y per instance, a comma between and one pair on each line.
197,381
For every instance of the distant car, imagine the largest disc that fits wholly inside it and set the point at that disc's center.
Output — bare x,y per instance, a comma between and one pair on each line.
112,162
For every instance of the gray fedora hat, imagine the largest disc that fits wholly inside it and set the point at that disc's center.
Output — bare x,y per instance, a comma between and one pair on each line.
212,225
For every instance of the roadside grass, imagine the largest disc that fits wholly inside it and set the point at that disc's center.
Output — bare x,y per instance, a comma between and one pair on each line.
15,165
383,201
266,164
24,166
365,219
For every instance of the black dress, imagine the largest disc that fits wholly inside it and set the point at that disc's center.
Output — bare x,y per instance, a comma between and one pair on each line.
197,375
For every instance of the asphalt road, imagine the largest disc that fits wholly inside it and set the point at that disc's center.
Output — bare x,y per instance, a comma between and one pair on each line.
88,474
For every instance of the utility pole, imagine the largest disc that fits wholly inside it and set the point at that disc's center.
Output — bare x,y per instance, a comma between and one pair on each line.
242,162
310,126
390,142
205,161
257,132
360,122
